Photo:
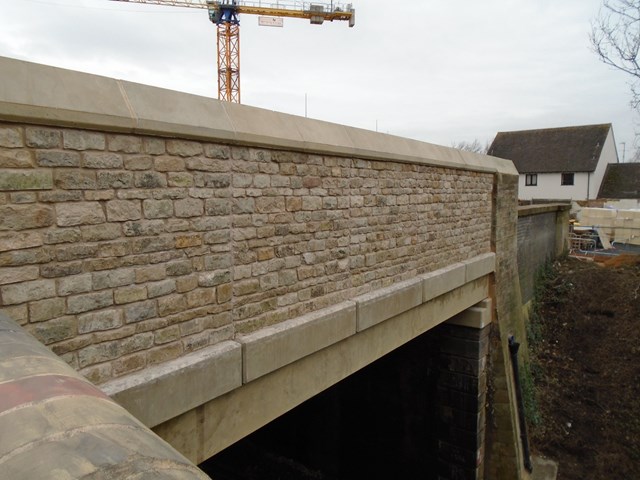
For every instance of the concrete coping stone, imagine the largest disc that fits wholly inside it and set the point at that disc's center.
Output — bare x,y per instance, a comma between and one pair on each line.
205,374
46,95
528,210
478,316
380,305
273,347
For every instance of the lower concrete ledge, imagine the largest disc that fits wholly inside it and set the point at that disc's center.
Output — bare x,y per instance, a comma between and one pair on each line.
478,316
212,427
164,391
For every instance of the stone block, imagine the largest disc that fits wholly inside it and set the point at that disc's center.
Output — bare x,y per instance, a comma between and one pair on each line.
55,330
136,312
157,394
157,208
57,158
478,316
271,348
130,294
83,140
20,240
86,213
27,291
75,179
11,137
24,217
158,289
442,281
386,303
123,210
74,285
168,164
189,207
113,278
124,143
40,137
149,180
14,158
18,274
48,309
12,180
184,148
99,321
89,301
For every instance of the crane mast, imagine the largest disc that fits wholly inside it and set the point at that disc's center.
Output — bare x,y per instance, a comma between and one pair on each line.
224,14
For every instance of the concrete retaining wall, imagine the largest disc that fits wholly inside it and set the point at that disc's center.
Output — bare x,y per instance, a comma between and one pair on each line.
542,235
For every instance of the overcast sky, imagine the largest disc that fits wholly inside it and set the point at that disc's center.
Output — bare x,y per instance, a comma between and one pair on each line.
441,71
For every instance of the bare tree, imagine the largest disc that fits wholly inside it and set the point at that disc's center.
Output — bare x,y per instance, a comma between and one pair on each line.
615,38
475,146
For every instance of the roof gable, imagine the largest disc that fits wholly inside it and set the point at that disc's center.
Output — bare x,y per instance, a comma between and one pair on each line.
550,150
621,180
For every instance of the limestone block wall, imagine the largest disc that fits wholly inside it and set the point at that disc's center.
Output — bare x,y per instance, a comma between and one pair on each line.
122,251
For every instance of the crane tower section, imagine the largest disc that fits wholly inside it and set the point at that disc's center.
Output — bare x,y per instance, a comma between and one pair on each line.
225,15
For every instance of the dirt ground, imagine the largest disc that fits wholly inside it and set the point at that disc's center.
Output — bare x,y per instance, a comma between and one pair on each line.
585,359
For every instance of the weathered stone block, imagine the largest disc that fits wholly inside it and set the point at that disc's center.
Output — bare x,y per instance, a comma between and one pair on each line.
19,274
48,309
89,301
150,180
20,240
40,137
102,160
189,207
28,291
166,335
86,213
164,287
115,179
138,162
184,148
11,137
100,233
157,208
76,179
12,180
99,321
151,273
124,143
169,164
57,270
55,158
74,285
141,311
123,210
130,294
180,179
171,304
113,278
83,140
13,158
54,330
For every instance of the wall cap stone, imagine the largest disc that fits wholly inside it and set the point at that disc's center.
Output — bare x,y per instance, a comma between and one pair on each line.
205,374
46,95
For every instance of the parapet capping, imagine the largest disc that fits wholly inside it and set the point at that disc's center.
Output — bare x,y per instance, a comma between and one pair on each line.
166,391
45,95
54,420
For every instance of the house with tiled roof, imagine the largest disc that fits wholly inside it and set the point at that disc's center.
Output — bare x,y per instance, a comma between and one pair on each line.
566,163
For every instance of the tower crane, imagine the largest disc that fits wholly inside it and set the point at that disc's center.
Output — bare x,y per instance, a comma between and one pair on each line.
224,13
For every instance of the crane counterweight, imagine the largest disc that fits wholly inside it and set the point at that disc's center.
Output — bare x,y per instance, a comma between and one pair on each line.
225,15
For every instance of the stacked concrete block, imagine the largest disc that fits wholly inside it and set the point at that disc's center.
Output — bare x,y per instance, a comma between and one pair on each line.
124,251
462,393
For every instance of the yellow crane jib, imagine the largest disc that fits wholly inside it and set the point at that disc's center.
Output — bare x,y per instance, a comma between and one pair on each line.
224,13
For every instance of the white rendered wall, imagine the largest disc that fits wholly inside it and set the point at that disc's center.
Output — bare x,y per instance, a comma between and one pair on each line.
549,187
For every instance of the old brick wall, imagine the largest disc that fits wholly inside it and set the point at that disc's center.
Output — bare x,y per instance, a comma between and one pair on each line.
122,251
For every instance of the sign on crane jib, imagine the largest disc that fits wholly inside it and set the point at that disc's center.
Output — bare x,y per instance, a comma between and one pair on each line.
271,21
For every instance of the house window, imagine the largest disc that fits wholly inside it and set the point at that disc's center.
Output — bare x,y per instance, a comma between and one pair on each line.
566,179
531,179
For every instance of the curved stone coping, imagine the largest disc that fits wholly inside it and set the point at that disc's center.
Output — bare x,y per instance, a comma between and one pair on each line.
171,389
54,423
47,95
